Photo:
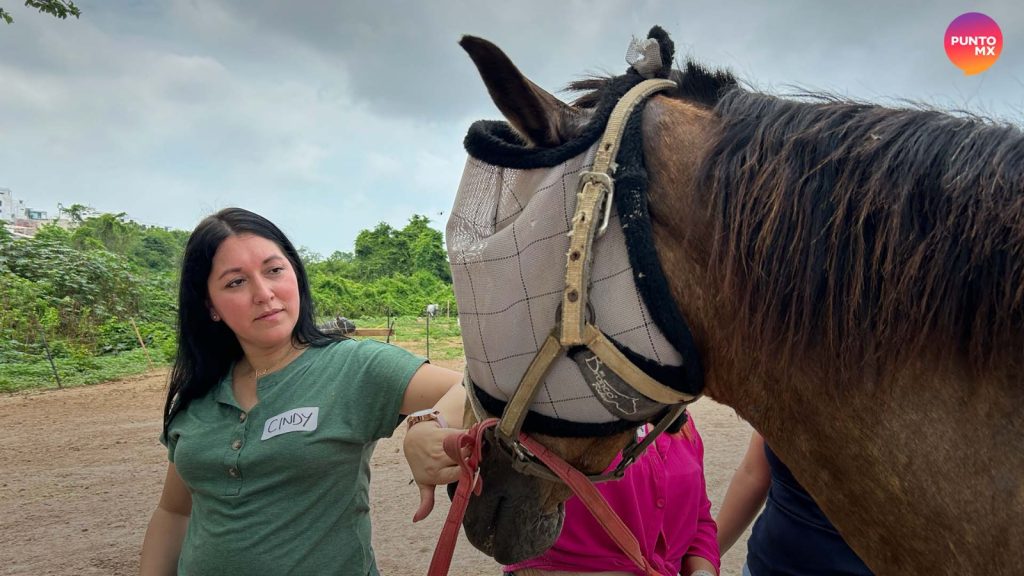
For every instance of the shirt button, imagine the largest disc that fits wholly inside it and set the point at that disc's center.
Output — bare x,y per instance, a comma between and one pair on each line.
241,417
660,503
236,444
233,472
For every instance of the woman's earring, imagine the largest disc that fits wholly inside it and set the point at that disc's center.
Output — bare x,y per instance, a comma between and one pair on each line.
215,316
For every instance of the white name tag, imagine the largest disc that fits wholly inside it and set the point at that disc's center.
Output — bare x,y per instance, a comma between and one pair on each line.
295,420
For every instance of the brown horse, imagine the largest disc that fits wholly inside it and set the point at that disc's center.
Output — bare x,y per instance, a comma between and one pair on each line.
853,277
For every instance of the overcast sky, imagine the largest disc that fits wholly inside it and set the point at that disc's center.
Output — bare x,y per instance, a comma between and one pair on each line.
331,116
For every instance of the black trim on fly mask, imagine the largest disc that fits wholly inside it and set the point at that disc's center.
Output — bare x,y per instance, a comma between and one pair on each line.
634,215
496,143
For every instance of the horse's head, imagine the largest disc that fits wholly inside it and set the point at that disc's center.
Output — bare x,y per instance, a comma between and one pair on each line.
604,346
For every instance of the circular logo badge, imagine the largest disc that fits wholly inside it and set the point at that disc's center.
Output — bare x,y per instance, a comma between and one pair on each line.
973,42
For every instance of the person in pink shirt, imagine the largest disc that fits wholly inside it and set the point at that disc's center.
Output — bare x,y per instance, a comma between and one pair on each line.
662,499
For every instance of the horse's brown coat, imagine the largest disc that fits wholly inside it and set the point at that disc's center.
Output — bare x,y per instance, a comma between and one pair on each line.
919,465
893,396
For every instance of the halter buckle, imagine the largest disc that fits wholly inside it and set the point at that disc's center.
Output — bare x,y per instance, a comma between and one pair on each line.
624,463
524,461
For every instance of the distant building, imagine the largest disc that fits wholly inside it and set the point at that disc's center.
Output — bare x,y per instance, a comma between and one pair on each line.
22,221
10,209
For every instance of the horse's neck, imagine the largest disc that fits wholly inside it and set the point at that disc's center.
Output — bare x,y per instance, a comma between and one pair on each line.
911,467
919,466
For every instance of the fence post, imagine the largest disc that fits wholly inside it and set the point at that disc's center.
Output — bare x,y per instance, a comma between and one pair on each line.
49,356
428,337
149,360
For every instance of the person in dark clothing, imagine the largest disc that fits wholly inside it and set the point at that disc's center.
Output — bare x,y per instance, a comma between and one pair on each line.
792,535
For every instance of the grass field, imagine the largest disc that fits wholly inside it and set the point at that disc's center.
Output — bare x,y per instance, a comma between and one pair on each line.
445,343
79,371
445,337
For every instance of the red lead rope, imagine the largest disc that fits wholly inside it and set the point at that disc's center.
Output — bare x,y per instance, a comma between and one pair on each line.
468,482
471,482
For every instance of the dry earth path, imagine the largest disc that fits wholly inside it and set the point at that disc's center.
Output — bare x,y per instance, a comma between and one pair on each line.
81,471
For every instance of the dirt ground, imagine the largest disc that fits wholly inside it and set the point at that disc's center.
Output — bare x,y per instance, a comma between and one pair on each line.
81,472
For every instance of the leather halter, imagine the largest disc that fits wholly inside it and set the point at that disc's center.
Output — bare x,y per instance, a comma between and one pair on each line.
593,207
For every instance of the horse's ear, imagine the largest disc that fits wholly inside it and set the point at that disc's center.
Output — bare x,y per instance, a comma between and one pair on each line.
537,115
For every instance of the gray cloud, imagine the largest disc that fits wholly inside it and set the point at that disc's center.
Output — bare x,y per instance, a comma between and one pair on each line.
332,116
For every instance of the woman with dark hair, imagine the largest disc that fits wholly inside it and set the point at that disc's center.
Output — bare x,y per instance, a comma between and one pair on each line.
270,424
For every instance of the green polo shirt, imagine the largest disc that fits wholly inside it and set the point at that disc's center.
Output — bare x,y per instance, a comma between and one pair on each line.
284,488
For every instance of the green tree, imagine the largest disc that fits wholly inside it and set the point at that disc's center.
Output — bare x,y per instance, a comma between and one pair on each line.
109,231
308,255
426,248
380,253
157,249
339,263
58,8
97,279
77,212
384,251
52,232
78,290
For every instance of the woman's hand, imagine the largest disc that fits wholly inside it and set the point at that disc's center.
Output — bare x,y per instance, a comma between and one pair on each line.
424,442
430,465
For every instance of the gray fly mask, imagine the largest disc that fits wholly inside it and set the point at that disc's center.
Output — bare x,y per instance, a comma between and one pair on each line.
539,261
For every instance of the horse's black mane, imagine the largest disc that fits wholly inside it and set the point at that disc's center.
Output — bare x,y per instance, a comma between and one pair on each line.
874,231
694,83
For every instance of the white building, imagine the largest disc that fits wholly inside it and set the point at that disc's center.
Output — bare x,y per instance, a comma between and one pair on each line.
10,209
23,222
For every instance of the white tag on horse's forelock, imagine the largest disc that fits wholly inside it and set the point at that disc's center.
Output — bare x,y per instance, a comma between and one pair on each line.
294,420
644,56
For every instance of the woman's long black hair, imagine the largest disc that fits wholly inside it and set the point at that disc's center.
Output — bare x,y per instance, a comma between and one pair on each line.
206,349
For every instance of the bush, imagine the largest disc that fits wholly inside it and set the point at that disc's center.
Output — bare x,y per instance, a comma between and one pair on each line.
116,336
402,295
161,340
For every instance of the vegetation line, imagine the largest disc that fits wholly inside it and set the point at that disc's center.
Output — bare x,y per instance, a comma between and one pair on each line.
99,298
